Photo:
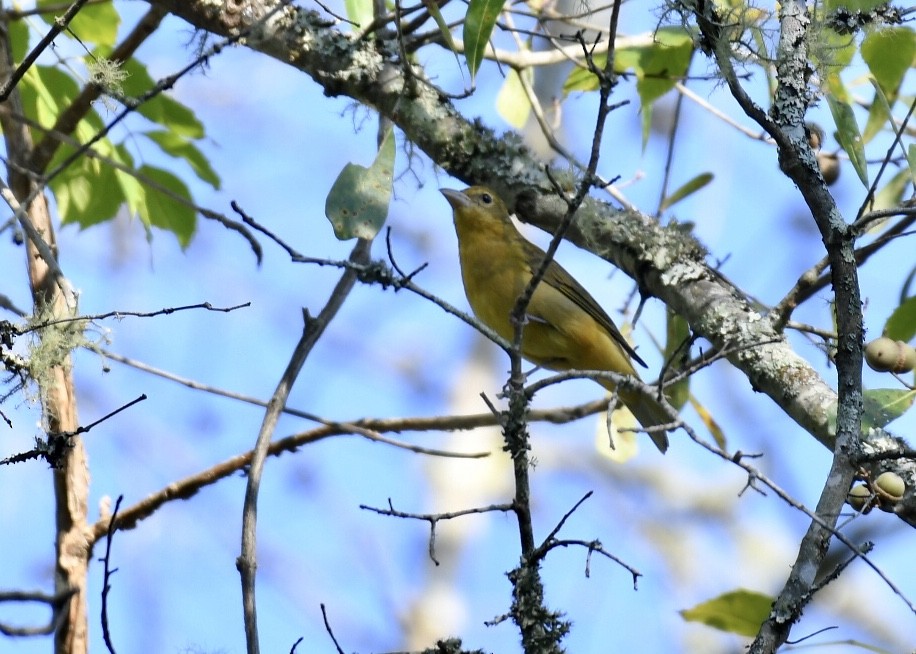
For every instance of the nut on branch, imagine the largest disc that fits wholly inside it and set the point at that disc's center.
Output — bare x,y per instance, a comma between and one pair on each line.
887,355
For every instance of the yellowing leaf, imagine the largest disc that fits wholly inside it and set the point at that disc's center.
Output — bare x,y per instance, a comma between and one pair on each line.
359,11
687,189
612,443
512,102
739,611
710,422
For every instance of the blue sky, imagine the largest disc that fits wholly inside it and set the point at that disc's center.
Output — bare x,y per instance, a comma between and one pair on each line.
278,144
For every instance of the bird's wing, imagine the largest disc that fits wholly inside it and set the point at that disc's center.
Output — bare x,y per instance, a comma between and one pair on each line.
557,277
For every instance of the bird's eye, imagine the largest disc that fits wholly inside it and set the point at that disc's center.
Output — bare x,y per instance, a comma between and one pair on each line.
486,198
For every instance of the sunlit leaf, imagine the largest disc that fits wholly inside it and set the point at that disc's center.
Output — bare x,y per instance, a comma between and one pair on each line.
662,64
692,186
179,147
357,204
890,195
739,611
658,68
359,11
46,92
86,191
901,326
711,424
512,102
853,5
889,53
616,437
94,23
848,135
161,109
478,26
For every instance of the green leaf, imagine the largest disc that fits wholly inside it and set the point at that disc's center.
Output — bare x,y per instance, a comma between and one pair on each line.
359,11
740,612
911,159
687,189
835,52
162,109
890,195
157,209
907,285
883,405
848,135
95,23
357,204
901,326
86,191
889,53
879,114
478,25
433,8
46,92
19,39
179,147
662,64
880,111
677,338
512,102
658,66
854,5
131,187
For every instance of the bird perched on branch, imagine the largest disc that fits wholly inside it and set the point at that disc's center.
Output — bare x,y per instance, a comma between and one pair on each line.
565,328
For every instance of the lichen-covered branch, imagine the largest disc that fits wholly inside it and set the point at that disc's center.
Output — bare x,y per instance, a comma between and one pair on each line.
666,263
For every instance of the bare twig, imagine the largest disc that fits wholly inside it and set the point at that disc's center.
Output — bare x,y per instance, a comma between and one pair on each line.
327,627
434,518
312,331
108,572
58,603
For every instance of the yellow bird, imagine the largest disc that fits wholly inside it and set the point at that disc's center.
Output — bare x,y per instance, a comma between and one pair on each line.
566,328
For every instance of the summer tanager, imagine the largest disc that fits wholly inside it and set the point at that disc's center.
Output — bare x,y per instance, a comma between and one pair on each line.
565,328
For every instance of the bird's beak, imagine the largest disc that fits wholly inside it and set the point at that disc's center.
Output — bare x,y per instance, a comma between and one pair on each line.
455,198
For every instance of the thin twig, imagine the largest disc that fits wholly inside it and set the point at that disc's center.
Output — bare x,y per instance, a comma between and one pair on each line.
312,331
60,24
327,627
434,518
108,572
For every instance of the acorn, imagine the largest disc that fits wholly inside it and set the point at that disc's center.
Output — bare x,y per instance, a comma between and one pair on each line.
829,164
858,497
887,355
892,484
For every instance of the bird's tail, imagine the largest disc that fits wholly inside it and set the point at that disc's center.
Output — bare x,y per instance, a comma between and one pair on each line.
649,413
